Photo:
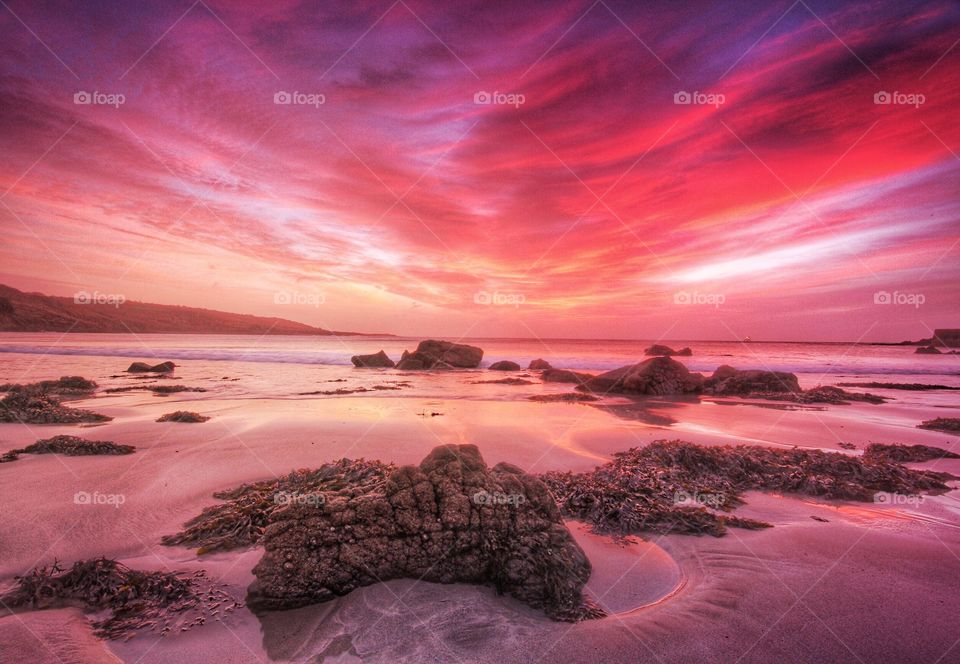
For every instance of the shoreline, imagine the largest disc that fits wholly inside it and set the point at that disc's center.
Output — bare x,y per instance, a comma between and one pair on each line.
656,586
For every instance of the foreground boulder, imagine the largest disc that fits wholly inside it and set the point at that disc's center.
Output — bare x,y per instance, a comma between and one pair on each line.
505,365
450,519
539,364
729,381
658,349
373,360
656,376
143,367
433,354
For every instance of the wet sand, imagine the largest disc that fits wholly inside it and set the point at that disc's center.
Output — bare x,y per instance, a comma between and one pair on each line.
876,582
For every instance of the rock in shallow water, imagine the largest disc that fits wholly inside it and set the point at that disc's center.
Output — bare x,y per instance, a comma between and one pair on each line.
373,360
450,519
433,354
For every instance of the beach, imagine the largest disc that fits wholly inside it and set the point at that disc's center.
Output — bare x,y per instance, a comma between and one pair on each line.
831,581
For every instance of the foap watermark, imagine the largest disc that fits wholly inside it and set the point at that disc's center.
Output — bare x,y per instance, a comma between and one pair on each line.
898,499
97,98
498,498
296,98
696,297
96,498
499,299
496,98
296,498
714,500
896,297
697,98
298,298
96,297
897,98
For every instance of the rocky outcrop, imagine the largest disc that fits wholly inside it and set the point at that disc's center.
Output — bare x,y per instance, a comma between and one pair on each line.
658,349
727,381
505,365
450,519
656,376
539,364
928,350
433,354
564,376
143,367
374,360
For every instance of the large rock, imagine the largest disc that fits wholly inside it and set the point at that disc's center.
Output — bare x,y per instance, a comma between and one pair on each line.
450,519
433,354
658,349
539,365
564,376
374,360
729,381
505,365
143,367
656,376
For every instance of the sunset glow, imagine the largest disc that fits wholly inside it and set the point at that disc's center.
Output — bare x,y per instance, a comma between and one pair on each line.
588,200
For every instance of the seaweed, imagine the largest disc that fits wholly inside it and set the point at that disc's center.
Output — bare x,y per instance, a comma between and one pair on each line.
668,486
907,453
69,446
185,416
900,386
948,424
40,403
159,601
239,522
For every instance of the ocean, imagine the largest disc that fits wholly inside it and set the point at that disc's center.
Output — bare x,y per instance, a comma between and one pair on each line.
823,359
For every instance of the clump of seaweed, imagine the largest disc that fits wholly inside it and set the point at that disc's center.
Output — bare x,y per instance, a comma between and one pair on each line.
159,601
65,385
40,403
183,416
69,446
566,397
239,522
820,394
652,488
504,381
907,453
156,389
900,386
948,424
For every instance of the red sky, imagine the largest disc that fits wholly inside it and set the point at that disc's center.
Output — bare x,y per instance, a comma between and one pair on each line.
597,207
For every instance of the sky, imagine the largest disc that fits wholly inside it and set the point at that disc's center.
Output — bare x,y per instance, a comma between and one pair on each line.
492,168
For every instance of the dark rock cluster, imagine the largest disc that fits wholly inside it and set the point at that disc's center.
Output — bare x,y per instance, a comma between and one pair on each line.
433,354
450,519
374,360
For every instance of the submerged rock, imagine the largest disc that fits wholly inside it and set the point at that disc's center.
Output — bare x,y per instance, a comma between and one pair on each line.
539,364
374,360
505,365
928,350
659,349
564,376
434,354
143,367
656,376
450,519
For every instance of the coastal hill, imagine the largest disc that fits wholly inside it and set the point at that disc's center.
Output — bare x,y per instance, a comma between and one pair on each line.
33,312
